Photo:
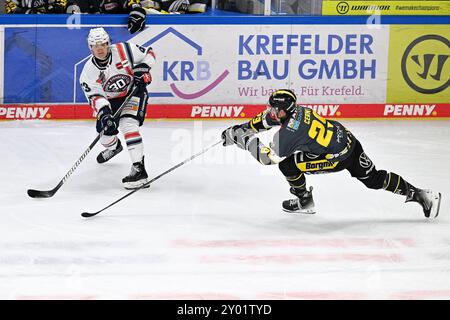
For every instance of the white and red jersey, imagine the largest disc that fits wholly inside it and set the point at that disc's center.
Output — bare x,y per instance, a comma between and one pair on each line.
101,83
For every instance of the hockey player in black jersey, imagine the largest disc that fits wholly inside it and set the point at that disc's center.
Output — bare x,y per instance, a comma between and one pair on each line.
136,14
36,6
307,143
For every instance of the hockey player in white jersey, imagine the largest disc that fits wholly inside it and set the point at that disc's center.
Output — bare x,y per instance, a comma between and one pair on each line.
107,78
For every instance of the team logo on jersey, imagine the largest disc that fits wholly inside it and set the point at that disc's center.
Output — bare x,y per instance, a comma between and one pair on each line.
101,78
117,83
364,160
294,122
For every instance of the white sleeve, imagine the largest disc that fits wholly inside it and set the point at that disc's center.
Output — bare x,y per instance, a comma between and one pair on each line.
92,89
140,54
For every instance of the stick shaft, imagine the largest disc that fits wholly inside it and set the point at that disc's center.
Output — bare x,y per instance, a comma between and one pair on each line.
47,194
86,214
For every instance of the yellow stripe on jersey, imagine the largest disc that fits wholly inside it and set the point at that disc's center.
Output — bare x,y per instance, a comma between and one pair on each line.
389,181
398,183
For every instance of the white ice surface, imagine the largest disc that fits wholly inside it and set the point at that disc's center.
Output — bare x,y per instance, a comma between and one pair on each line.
213,228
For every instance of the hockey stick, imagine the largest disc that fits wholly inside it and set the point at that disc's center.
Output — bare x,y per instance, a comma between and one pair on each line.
50,193
91,214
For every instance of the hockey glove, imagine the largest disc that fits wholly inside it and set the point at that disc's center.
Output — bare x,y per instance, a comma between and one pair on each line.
106,122
142,76
238,135
136,19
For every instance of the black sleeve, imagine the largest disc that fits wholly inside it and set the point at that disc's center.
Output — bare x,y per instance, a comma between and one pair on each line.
262,122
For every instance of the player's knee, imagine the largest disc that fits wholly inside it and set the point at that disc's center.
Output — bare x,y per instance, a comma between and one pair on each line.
127,125
288,167
375,180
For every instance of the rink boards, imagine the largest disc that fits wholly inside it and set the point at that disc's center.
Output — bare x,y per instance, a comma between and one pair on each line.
214,67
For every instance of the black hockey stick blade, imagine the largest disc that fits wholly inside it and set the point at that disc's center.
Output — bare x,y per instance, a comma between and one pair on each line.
44,193
147,184
40,193
90,214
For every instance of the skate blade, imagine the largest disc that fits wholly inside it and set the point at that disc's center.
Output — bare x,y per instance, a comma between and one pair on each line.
435,213
136,185
302,211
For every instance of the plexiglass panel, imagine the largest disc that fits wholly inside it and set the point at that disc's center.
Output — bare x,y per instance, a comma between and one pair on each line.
272,7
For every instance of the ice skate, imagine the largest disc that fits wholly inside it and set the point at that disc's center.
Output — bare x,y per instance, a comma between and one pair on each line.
137,177
303,203
107,154
428,199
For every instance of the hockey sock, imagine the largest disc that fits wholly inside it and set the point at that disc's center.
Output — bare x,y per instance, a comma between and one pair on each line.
396,184
298,181
134,145
133,139
109,142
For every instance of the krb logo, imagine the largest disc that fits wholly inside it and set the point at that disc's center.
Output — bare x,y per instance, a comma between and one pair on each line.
186,70
425,64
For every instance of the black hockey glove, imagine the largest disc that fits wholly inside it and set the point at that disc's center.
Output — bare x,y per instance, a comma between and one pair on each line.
239,135
136,19
106,122
142,76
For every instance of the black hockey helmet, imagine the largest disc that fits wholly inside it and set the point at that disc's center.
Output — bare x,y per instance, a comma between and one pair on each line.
283,99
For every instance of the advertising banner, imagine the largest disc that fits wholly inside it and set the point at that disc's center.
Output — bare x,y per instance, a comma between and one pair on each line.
246,63
386,7
419,64
219,71
237,111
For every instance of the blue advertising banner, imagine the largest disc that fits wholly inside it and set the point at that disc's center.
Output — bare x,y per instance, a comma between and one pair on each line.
40,62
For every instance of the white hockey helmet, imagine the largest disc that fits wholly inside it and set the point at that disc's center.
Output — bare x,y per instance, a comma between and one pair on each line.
98,36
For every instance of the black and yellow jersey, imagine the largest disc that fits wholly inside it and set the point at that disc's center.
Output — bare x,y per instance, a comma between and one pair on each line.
305,130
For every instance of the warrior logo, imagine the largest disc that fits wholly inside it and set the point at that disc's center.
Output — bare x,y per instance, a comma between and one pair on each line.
425,64
342,7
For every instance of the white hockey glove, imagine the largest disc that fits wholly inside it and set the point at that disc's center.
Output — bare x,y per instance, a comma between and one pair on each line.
237,135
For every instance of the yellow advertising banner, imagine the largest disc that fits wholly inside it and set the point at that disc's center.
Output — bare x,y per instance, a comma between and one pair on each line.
371,7
419,64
